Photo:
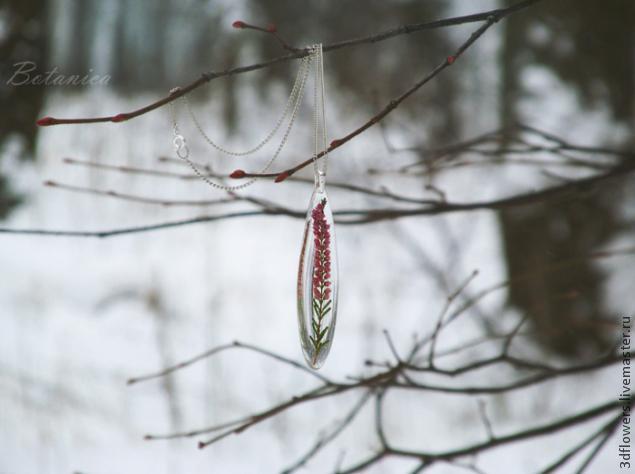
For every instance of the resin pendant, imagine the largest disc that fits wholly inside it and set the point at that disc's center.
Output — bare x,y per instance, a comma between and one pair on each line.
317,280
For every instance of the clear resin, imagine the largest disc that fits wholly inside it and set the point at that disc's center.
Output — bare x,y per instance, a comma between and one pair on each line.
317,281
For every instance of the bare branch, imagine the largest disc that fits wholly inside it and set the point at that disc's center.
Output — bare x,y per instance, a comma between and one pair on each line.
324,440
530,433
482,410
606,430
494,15
441,319
364,216
222,348
140,199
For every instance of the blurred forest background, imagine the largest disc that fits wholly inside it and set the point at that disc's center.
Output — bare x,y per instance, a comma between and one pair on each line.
78,317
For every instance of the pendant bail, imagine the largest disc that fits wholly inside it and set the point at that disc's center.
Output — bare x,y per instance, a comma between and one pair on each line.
320,181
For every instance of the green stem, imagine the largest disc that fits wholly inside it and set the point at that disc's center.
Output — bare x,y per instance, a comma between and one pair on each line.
320,310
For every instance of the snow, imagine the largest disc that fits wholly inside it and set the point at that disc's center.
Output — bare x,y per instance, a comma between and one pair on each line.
80,316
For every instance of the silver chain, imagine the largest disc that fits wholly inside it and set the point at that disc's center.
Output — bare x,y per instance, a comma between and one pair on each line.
319,119
293,104
267,139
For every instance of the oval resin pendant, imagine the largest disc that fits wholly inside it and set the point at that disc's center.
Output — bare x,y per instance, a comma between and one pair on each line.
317,281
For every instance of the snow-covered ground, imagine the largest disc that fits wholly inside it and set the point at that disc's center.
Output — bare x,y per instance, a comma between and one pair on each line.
79,316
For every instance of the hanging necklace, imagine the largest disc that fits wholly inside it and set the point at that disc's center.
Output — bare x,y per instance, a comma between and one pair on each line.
317,284
317,289
183,152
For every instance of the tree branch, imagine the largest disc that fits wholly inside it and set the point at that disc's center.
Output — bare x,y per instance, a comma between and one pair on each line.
206,77
362,216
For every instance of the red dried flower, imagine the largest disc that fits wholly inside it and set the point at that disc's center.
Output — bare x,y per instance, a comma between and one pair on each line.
321,288
322,255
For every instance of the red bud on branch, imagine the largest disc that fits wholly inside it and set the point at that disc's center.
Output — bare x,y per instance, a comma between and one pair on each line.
271,28
335,143
237,174
239,24
44,121
119,118
450,59
282,176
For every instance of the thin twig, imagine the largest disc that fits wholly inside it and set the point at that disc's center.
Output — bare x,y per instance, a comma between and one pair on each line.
140,199
216,350
441,319
606,429
324,440
608,432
